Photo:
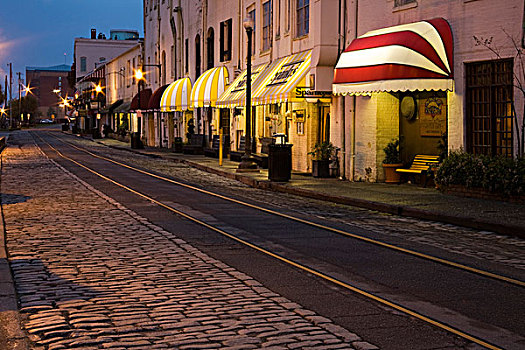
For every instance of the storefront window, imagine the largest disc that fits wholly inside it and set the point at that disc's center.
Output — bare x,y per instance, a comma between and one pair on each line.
489,107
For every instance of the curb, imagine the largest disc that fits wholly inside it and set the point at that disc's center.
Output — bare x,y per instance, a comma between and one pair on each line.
464,221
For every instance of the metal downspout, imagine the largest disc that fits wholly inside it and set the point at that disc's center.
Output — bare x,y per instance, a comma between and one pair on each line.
341,102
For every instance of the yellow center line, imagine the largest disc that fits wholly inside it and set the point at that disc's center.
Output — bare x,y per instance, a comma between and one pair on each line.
328,228
287,261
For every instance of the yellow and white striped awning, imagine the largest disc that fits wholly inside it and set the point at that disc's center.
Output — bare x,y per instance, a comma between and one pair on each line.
235,94
209,87
282,78
176,97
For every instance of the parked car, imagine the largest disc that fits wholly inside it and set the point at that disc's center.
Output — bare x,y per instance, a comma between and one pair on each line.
46,121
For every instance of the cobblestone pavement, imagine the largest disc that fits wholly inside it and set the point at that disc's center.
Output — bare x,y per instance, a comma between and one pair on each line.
91,274
483,245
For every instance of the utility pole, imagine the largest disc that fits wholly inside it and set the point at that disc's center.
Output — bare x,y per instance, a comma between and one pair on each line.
10,94
5,100
19,97
5,92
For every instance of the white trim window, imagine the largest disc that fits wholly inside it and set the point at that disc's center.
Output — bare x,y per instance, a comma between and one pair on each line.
303,17
267,26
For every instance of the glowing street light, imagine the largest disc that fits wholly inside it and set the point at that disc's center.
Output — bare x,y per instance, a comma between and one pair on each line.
139,75
64,102
27,89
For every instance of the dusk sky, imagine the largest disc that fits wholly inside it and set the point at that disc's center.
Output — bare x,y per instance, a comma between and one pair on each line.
39,32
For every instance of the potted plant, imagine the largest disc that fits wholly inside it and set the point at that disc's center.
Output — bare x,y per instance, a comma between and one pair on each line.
321,154
392,162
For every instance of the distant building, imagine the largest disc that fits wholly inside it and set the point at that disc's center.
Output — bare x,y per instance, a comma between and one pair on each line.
47,83
123,34
97,50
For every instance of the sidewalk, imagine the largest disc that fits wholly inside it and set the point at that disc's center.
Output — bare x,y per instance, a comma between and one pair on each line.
405,199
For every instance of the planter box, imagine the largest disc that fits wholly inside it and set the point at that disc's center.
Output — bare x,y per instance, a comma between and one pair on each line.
321,168
391,176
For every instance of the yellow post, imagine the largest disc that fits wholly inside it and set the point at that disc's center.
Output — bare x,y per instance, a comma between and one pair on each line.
220,147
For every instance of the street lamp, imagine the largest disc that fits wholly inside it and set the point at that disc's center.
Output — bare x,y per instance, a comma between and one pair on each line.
26,90
98,90
247,161
139,76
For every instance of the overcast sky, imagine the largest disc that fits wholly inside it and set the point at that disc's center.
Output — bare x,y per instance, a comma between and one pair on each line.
39,32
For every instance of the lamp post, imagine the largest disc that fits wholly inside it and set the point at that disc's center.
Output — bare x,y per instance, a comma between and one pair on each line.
247,162
27,91
139,76
98,89
59,94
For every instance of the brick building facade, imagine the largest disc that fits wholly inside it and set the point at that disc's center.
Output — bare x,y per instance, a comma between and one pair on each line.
44,83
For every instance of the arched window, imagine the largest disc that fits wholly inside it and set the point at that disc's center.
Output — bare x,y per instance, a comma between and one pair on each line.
210,48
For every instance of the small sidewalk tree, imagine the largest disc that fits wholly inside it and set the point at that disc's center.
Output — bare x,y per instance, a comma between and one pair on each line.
518,81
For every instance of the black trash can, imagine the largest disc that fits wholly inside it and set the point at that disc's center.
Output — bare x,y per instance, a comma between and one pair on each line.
177,144
136,142
74,129
96,134
65,127
280,162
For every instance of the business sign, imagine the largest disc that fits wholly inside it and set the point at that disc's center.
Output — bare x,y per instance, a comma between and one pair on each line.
304,92
433,116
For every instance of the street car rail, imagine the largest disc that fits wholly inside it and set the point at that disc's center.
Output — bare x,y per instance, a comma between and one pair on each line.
286,260
307,222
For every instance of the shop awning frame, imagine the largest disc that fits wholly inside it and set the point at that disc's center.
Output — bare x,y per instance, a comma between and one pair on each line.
145,95
123,108
176,97
281,78
209,87
408,57
154,100
235,94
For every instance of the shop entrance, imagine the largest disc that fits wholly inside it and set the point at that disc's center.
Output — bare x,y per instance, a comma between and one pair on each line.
323,132
422,123
224,121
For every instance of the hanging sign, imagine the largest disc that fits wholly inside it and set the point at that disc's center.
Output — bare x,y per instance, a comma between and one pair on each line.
433,116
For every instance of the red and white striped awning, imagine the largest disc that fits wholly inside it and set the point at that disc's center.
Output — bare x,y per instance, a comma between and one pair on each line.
408,57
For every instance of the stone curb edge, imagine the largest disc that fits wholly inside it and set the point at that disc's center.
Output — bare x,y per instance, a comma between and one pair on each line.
504,229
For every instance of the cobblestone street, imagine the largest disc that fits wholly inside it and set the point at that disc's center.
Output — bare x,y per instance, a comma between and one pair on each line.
473,243
91,274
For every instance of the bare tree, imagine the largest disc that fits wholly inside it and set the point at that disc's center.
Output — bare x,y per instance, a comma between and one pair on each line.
518,81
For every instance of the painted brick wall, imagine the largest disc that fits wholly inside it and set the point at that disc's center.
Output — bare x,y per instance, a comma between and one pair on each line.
365,138
486,19
387,128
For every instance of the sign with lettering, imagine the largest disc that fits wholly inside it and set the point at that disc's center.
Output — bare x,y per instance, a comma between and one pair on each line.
304,92
284,73
433,116
241,85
